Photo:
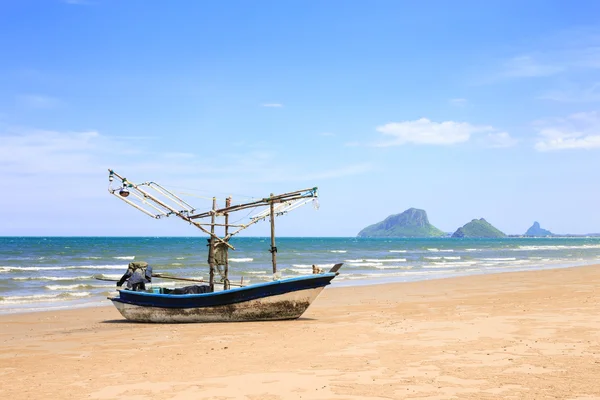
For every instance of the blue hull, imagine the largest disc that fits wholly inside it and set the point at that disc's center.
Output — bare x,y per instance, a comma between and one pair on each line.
283,299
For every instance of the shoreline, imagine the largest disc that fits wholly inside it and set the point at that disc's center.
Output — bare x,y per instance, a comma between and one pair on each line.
350,283
528,334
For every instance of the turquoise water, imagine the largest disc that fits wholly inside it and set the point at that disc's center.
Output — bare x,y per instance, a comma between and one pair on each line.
46,273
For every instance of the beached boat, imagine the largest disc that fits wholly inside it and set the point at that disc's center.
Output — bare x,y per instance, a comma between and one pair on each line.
279,299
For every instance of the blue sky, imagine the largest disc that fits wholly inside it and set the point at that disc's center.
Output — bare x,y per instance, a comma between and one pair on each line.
466,109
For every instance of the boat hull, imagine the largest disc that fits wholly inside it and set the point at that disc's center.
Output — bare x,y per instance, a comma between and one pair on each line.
278,300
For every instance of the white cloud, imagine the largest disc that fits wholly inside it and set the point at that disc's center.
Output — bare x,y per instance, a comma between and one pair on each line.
39,151
576,131
574,94
272,105
38,101
424,131
527,66
500,140
566,55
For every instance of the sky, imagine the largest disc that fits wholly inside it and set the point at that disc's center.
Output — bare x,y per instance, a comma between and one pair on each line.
466,109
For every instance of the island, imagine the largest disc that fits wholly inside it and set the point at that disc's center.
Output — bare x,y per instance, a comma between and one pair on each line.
412,223
478,228
536,230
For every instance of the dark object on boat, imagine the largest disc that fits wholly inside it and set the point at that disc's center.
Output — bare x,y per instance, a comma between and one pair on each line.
137,275
194,289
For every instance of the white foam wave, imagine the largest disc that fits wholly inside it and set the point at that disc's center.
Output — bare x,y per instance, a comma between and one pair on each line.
241,259
338,251
499,259
301,271
255,272
394,267
73,287
52,278
397,251
305,266
41,297
176,264
365,264
9,269
125,258
385,260
557,247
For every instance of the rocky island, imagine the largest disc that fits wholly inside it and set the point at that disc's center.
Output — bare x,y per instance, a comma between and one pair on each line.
536,230
412,223
478,228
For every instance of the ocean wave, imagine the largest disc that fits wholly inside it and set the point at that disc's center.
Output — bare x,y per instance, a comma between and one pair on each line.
75,286
435,250
393,267
364,264
41,298
385,260
338,251
94,267
499,259
301,271
254,272
248,259
556,247
456,262
53,278
125,258
176,264
180,258
397,251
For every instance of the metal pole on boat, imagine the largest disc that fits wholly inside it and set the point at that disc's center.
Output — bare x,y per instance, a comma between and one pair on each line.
211,248
273,247
226,281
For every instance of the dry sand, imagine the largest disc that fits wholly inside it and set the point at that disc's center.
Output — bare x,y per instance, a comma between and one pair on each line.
523,335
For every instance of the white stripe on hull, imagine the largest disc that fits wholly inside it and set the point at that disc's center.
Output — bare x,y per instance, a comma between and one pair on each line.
284,306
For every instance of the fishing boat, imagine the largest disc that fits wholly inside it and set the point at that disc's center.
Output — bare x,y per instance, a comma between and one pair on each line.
219,299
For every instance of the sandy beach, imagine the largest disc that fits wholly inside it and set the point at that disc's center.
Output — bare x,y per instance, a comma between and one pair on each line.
522,335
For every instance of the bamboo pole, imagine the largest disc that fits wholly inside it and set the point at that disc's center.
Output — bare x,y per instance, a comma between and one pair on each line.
226,282
298,194
174,211
211,248
273,248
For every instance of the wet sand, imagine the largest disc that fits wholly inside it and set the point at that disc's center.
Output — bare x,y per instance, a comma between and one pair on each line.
522,335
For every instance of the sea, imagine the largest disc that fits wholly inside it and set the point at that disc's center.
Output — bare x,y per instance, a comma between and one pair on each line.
54,273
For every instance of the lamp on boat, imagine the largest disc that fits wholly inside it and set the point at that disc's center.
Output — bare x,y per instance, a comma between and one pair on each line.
123,192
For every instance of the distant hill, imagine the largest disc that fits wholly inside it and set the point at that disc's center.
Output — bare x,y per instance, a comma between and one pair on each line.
411,223
478,228
536,230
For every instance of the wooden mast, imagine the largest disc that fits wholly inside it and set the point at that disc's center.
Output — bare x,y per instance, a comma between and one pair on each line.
226,281
273,247
211,248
